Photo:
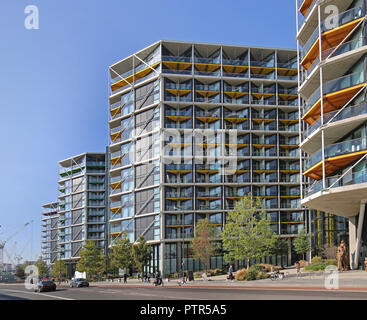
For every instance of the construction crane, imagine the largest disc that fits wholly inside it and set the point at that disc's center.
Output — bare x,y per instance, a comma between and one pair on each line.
3,243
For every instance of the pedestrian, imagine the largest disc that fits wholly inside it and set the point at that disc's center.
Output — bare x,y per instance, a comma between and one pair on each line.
230,273
125,277
298,268
148,276
138,275
145,277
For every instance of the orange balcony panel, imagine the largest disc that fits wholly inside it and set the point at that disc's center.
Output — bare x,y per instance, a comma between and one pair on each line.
115,136
208,119
330,39
114,112
234,69
178,92
235,95
207,67
179,171
333,164
137,76
177,65
305,6
115,161
332,101
179,118
235,120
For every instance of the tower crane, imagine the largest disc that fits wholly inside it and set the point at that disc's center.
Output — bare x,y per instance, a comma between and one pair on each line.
3,243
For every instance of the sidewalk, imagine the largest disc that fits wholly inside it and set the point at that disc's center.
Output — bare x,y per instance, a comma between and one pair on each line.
349,281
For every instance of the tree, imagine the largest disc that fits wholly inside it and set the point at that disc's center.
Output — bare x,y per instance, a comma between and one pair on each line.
59,269
203,244
43,269
302,243
92,261
141,253
280,248
247,233
121,255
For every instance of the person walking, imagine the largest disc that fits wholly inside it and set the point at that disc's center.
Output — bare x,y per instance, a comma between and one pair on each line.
148,276
298,268
138,275
125,277
230,273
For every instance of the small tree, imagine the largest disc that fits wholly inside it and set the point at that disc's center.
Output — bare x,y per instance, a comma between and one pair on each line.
121,255
280,248
141,253
92,261
248,233
302,243
43,269
203,244
59,269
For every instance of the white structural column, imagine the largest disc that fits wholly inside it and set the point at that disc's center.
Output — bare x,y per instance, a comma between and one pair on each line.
355,235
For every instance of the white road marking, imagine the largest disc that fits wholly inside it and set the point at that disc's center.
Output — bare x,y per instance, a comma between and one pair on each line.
37,293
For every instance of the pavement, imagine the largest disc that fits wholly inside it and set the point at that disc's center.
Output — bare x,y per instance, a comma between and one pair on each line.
347,281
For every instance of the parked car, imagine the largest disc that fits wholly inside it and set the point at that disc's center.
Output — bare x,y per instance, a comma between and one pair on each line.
79,282
45,285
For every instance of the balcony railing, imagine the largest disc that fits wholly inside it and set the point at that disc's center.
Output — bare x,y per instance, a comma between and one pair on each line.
338,84
337,149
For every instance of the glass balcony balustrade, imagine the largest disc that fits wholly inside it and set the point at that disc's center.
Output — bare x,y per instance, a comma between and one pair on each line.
177,59
215,60
337,149
263,64
179,86
179,113
179,194
235,62
331,117
338,181
336,85
340,20
288,65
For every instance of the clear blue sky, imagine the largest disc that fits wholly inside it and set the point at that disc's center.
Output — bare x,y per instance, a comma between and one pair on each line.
53,81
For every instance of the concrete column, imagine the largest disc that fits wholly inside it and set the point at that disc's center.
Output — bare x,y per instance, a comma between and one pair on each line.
352,240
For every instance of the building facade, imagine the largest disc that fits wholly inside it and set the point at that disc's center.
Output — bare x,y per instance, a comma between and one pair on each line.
332,47
49,232
81,206
194,127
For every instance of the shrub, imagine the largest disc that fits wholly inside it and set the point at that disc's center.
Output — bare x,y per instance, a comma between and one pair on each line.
303,263
267,267
216,272
241,275
332,262
317,266
256,272
316,259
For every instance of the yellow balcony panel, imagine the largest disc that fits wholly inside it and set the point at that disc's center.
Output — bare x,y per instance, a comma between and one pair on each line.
179,225
173,65
259,121
207,67
330,39
287,72
238,145
290,197
333,164
137,76
332,101
305,6
234,198
208,145
116,185
178,118
288,97
234,69
116,209
288,121
289,146
116,160
178,92
179,171
115,136
179,198
292,222
289,171
115,234
114,112
208,119
259,95
209,198
235,95
207,93
262,70
236,120
207,171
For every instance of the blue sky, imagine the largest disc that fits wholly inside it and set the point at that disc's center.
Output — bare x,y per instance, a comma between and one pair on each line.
53,81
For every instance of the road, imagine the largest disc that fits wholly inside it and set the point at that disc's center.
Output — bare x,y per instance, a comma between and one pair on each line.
12,292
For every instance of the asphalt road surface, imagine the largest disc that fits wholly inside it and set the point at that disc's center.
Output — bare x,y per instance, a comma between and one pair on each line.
18,292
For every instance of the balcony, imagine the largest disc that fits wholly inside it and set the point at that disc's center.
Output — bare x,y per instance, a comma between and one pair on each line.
337,156
346,22
336,93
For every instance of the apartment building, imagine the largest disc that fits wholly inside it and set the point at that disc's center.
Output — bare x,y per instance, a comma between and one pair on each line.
49,232
194,127
332,64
